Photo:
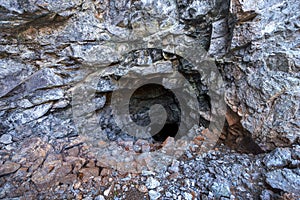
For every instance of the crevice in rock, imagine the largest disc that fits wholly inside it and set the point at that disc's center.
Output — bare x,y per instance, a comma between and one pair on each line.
237,137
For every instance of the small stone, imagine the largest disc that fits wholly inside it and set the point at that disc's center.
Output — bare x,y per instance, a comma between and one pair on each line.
147,173
168,194
77,185
9,167
153,195
267,195
188,196
145,148
128,145
142,188
6,139
100,197
106,192
160,189
152,183
174,196
137,148
174,168
169,142
125,188
221,188
187,182
127,178
141,142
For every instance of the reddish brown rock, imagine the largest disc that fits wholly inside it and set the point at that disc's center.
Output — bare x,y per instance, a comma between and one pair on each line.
89,172
43,179
32,153
76,162
9,167
232,118
51,173
106,172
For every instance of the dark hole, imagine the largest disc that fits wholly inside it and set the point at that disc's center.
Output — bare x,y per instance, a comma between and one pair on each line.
146,96
150,94
168,130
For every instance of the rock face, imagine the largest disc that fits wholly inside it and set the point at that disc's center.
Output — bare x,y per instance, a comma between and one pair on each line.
264,70
48,48
285,179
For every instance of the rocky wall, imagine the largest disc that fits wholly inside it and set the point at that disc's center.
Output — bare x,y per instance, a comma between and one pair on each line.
48,48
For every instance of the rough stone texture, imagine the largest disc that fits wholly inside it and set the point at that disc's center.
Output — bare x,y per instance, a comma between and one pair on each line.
285,179
48,47
264,69
8,167
278,158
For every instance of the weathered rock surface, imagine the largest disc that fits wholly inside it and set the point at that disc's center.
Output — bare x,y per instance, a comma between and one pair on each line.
8,167
48,47
264,69
285,179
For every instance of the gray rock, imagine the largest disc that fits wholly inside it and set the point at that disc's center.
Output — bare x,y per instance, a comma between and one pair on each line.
152,183
287,180
162,67
221,189
45,78
280,157
188,196
267,94
100,197
48,48
43,96
147,173
153,195
97,55
12,73
105,85
6,139
30,114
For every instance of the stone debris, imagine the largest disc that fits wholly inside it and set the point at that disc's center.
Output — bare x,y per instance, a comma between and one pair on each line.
219,174
59,67
152,183
153,195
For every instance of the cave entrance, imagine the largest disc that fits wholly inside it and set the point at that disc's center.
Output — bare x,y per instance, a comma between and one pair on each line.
148,95
169,130
144,97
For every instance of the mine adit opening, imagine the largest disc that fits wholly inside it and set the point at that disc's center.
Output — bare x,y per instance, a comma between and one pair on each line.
150,94
139,106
